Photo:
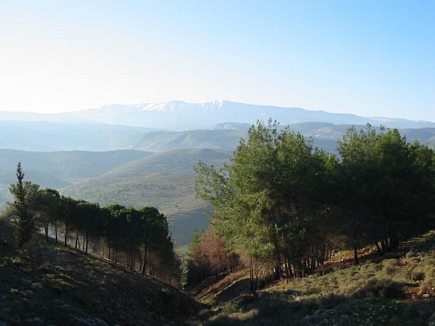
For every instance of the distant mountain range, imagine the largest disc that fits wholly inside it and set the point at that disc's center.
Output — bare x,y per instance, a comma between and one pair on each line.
144,154
177,116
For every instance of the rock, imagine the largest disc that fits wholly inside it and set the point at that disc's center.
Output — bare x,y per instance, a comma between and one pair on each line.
28,293
6,311
64,307
37,321
97,305
317,313
88,321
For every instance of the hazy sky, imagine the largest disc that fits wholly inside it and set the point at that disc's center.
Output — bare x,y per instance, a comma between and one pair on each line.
371,58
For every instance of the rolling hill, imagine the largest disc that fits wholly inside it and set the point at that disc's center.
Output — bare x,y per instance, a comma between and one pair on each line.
129,177
143,154
53,137
68,165
164,180
158,172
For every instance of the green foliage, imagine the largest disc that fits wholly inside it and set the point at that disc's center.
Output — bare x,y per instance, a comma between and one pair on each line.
270,202
141,235
24,193
386,187
283,204
48,202
139,238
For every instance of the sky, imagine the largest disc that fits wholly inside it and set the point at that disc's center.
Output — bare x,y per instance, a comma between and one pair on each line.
370,58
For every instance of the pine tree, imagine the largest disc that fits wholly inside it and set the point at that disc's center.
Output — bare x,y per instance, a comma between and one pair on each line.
24,224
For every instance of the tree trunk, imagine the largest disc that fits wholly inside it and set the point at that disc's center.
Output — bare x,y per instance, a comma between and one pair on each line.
355,254
384,247
287,270
55,231
66,235
46,231
251,276
87,242
145,254
378,248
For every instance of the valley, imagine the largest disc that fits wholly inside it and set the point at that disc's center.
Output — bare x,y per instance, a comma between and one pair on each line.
137,166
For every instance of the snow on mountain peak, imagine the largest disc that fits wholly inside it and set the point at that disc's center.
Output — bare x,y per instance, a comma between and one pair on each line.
164,106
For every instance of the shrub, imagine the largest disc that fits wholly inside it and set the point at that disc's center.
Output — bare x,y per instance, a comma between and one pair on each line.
383,288
230,308
332,300
427,285
418,274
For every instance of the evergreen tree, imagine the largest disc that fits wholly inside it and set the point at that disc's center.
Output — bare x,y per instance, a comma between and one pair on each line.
270,204
49,210
68,209
386,187
24,193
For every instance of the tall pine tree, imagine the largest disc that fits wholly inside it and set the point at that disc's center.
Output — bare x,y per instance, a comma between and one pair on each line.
24,223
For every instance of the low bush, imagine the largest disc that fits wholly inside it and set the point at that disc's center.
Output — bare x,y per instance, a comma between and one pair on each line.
380,288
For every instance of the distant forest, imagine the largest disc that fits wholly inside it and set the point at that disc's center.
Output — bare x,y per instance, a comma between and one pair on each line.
282,207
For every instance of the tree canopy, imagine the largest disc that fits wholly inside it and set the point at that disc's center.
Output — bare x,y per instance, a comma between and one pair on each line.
284,205
24,193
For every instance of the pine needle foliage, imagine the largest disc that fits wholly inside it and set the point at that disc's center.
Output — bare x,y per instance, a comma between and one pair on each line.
24,224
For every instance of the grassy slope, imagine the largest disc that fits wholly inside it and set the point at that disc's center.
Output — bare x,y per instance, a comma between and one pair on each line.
396,289
67,165
50,285
172,194
163,180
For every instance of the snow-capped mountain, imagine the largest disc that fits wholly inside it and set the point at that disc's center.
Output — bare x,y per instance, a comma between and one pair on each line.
178,115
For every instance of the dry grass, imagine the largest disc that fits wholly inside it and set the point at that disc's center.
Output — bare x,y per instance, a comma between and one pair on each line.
397,289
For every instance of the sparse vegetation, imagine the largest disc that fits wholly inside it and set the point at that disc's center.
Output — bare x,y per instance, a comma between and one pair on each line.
380,291
285,205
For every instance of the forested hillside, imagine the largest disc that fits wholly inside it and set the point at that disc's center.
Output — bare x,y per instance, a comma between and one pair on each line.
42,282
281,207
299,236
47,284
138,239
